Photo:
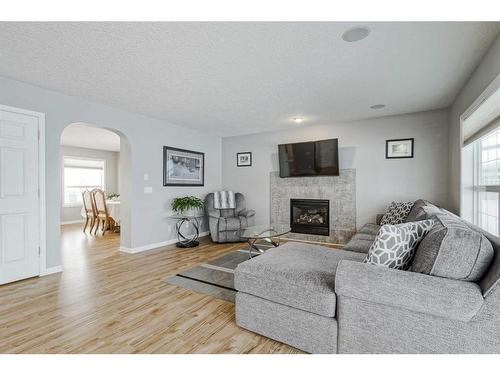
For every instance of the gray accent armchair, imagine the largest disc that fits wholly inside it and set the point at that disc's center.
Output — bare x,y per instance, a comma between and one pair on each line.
225,224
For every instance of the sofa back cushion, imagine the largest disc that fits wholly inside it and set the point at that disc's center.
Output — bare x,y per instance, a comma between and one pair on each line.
453,250
492,277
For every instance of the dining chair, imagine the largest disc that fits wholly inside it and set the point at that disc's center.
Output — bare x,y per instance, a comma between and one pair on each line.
102,213
89,208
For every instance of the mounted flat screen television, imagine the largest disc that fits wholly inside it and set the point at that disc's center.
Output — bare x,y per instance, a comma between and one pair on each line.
320,158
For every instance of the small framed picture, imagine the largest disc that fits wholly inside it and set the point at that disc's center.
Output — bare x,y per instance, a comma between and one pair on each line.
244,159
399,148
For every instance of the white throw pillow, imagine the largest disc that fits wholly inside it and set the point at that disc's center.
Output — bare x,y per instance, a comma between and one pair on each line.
396,213
395,245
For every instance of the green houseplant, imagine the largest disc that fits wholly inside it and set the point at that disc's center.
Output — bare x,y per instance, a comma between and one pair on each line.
181,205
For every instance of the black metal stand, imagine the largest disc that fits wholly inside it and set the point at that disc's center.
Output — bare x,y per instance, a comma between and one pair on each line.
252,244
186,240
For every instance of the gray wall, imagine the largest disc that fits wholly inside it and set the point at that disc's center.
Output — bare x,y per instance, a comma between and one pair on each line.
111,175
145,137
486,72
362,146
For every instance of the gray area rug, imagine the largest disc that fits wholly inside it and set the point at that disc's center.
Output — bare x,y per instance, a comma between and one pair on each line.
215,278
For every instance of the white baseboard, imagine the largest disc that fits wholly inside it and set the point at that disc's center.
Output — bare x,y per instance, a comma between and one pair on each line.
51,270
152,246
72,222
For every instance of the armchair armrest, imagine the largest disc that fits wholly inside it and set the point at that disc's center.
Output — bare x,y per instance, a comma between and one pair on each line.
214,213
246,213
451,299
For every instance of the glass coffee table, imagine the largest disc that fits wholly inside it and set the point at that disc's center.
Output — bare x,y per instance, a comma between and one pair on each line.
263,237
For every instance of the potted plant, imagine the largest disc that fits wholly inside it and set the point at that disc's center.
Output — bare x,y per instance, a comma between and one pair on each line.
187,205
114,196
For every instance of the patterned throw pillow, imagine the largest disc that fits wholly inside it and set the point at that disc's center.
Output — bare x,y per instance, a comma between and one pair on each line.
395,245
396,213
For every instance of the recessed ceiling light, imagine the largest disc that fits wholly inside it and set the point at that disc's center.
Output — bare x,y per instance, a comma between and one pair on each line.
298,120
356,34
377,106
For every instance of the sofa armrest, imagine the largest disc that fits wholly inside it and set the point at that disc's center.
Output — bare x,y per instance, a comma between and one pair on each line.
246,213
452,299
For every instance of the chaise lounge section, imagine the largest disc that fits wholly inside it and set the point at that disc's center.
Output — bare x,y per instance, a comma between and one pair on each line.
323,300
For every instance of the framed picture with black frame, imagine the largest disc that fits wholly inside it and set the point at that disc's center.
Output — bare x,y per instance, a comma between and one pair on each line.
244,159
399,148
183,167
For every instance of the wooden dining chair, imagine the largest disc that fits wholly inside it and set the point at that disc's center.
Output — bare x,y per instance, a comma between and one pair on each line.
102,214
89,208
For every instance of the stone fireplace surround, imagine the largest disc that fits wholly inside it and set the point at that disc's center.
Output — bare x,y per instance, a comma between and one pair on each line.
339,190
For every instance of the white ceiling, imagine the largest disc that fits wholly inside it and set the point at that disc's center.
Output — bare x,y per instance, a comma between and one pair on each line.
240,78
81,135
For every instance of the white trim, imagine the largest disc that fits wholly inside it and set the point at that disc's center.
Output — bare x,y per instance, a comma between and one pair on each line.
51,270
152,246
72,222
41,182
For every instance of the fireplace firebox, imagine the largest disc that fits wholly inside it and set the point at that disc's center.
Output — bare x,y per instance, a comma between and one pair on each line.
310,216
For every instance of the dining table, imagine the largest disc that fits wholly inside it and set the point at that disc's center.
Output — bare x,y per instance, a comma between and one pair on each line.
113,210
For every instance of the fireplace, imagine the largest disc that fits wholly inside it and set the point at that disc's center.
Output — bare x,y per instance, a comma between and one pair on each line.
310,216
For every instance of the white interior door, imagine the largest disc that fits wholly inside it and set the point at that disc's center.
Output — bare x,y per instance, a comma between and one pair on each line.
19,196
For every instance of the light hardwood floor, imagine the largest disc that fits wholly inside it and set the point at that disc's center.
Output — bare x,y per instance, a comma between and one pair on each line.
110,302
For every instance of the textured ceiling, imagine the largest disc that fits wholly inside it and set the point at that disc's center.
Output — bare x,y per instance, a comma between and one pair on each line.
239,78
81,135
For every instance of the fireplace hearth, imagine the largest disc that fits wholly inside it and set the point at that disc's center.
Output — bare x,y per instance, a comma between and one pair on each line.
310,216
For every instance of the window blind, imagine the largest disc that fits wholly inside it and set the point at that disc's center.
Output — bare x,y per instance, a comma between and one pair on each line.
483,120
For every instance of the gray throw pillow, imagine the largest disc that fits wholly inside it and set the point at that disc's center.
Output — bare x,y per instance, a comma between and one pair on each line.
453,250
427,212
415,213
396,213
394,245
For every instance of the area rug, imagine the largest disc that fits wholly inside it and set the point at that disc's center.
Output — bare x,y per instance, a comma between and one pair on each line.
215,278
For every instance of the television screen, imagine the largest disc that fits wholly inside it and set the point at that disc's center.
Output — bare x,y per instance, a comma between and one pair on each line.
318,158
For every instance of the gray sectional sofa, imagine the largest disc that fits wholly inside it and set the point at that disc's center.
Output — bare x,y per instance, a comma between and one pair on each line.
323,300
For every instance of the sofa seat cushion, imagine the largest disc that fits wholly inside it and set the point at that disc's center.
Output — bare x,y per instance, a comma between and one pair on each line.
229,223
360,243
369,228
453,250
295,274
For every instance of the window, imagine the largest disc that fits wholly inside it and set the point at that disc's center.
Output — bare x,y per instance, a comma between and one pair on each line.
480,162
80,174
485,177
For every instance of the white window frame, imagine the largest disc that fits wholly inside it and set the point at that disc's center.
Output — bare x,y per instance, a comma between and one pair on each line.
467,204
477,186
69,205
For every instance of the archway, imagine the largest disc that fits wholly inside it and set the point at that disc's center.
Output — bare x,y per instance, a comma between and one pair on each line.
94,157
